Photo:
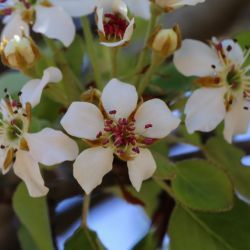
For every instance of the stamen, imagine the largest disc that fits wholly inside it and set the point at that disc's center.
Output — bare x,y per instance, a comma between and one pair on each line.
148,126
112,112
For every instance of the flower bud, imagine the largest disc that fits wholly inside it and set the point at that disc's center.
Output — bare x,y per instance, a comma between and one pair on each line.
19,53
164,42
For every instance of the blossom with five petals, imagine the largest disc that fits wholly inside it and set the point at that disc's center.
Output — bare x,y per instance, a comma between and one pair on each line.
225,80
52,18
24,150
120,127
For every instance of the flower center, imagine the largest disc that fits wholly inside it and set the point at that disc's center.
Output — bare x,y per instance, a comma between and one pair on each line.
121,136
114,26
233,79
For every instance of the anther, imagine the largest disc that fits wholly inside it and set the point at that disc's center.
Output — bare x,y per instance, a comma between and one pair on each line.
229,48
112,112
148,126
99,135
19,93
2,147
213,66
246,108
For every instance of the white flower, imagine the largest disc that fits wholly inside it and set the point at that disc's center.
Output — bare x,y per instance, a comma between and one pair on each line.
119,128
51,18
175,4
24,150
226,86
114,26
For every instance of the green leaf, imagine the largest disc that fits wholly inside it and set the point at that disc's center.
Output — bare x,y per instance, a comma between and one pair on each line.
165,168
74,55
206,231
33,214
202,186
83,239
13,81
148,242
228,157
25,239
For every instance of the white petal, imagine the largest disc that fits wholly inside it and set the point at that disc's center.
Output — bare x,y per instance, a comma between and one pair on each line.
195,58
83,120
28,170
237,119
177,3
51,147
55,23
205,109
141,168
156,113
76,8
233,51
15,26
91,165
32,90
139,8
119,96
126,38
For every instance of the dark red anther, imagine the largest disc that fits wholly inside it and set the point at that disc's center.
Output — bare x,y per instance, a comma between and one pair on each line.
99,135
7,11
148,125
112,112
149,141
136,150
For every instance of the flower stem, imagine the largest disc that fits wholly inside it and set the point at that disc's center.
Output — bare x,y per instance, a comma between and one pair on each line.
85,209
146,78
91,51
141,61
113,57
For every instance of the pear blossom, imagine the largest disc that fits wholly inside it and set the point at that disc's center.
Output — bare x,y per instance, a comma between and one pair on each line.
169,5
119,127
23,150
114,26
225,93
52,18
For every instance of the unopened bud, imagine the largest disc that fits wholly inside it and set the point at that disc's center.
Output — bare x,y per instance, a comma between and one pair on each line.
19,53
164,42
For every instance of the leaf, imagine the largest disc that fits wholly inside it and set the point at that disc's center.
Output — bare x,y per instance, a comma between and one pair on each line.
228,157
83,239
165,168
148,242
25,239
13,81
33,214
74,55
202,186
206,231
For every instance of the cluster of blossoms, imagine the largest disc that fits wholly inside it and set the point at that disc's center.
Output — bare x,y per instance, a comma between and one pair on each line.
120,124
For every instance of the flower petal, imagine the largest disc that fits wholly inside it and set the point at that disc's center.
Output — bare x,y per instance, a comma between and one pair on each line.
15,26
51,147
77,8
205,109
83,120
91,165
32,90
141,168
177,3
155,112
237,119
28,170
119,96
55,23
233,51
139,8
195,58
